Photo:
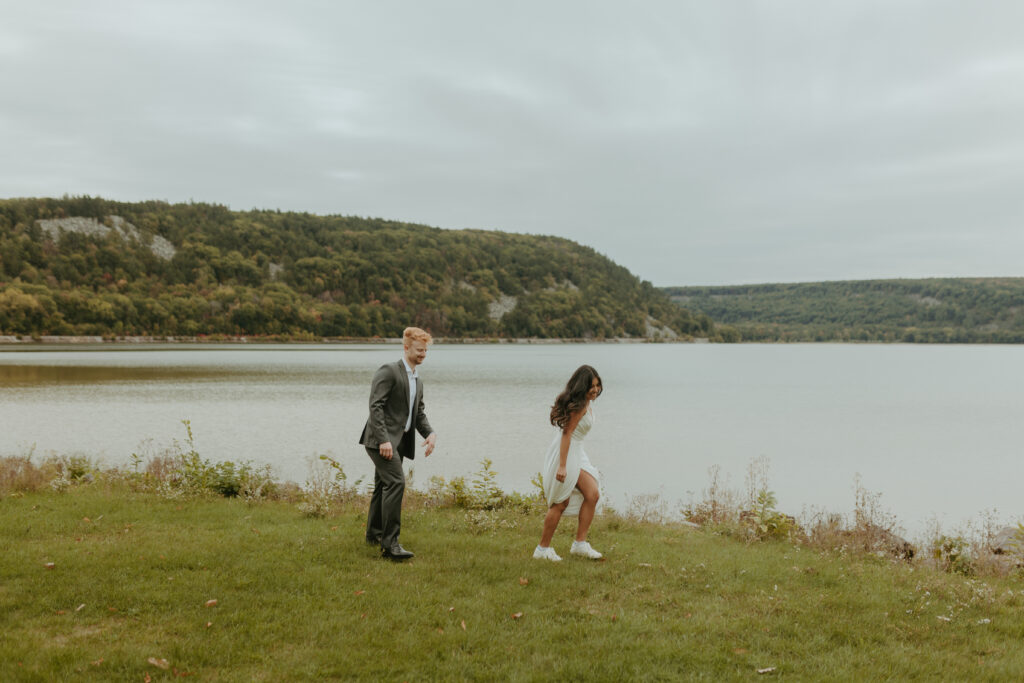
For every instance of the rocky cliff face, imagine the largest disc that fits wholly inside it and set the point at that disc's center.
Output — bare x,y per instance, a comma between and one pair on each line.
90,226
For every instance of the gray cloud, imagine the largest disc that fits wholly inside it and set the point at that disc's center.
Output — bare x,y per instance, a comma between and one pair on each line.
693,142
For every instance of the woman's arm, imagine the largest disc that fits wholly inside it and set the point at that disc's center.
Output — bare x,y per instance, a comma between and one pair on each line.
563,448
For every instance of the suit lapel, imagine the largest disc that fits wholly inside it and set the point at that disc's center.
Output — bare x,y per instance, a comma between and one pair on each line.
403,379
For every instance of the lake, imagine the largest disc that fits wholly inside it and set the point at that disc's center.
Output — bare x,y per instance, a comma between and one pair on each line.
936,430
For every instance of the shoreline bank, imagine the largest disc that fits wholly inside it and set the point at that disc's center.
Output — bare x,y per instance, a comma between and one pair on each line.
80,340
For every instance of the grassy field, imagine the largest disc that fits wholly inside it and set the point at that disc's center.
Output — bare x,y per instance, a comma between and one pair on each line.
129,597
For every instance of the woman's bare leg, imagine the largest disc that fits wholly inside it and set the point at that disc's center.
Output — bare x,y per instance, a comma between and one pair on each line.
588,487
551,523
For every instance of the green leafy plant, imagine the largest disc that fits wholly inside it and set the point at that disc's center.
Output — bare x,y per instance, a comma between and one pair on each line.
764,520
485,492
481,493
952,554
538,482
186,472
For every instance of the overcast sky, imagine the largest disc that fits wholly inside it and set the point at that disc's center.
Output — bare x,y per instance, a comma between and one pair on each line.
700,142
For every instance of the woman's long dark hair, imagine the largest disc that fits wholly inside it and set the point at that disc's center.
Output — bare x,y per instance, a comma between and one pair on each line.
574,396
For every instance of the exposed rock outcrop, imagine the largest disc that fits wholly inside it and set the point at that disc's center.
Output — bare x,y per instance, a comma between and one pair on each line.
654,330
160,247
1008,541
502,305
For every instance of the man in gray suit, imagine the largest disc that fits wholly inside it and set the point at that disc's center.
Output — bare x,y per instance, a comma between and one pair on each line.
396,410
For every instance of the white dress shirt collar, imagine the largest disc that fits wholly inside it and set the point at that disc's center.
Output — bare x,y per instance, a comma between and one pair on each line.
411,374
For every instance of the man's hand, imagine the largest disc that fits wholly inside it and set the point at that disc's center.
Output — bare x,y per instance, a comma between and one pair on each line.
386,451
429,444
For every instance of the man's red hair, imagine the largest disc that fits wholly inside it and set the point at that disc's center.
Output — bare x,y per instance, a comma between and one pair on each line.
412,334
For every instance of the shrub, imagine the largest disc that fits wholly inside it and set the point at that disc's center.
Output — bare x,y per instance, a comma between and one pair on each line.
719,505
482,494
764,521
19,475
952,554
326,487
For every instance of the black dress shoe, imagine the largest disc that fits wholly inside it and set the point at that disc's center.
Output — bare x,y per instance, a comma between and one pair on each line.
396,553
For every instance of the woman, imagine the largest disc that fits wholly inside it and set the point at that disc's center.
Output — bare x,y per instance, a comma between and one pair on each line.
570,481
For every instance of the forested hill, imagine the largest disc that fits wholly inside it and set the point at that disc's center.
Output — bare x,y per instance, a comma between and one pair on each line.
959,310
89,266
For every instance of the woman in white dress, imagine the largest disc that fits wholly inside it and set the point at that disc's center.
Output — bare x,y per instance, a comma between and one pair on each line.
570,481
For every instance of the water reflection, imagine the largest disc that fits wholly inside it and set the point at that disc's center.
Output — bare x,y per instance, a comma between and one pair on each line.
43,375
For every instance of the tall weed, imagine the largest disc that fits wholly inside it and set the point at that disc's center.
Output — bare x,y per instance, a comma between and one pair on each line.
18,474
327,487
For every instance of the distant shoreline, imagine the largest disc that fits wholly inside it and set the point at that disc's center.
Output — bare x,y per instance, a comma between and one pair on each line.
14,341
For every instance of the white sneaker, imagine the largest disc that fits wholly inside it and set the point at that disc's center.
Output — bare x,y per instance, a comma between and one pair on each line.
546,554
583,548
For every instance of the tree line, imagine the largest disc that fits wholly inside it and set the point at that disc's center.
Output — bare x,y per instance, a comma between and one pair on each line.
936,310
303,276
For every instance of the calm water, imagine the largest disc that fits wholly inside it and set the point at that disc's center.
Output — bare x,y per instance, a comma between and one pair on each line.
935,429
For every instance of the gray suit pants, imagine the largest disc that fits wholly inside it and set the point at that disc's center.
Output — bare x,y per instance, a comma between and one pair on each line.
385,517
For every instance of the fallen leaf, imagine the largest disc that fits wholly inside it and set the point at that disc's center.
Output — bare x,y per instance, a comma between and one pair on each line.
644,564
689,614
360,592
147,679
615,617
210,603
49,565
517,615
440,630
363,615
463,624
209,624
739,650
766,670
78,540
80,607
160,663
334,528
98,662
60,611
111,609
451,609
86,519
523,581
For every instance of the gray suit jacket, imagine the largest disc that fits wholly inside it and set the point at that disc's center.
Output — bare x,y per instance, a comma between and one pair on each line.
389,409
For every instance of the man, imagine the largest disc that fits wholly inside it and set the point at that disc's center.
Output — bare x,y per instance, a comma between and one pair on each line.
396,410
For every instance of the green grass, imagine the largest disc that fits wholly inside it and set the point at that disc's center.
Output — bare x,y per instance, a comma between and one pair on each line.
301,598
